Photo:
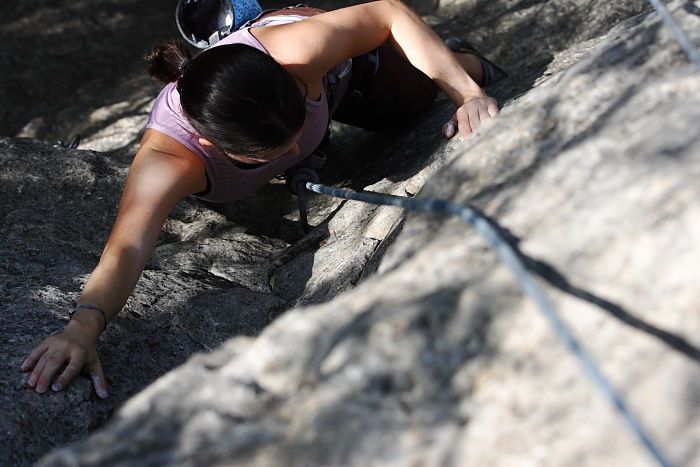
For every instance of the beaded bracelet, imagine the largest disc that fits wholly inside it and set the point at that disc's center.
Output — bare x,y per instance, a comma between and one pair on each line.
89,307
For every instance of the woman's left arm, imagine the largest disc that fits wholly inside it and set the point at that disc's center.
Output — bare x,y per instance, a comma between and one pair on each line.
325,40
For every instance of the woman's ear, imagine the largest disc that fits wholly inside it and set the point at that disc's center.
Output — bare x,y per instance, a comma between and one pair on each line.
205,142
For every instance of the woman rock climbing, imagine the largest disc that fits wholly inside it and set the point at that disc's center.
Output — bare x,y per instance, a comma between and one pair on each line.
255,103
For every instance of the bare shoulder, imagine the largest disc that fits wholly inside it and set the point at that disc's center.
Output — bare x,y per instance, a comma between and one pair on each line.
158,141
310,48
275,44
163,157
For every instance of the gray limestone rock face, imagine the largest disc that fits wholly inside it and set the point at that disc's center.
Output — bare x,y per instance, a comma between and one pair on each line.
382,338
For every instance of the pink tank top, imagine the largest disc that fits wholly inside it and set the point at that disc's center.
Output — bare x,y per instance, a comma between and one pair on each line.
226,181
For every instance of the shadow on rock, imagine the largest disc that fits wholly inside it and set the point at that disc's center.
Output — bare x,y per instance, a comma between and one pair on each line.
74,44
555,278
391,391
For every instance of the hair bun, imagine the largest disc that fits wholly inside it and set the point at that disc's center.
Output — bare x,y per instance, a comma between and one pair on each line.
166,61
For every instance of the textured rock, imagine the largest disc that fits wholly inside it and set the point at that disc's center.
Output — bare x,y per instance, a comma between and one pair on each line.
435,358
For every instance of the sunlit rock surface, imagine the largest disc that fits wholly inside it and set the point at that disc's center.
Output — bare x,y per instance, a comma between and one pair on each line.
412,344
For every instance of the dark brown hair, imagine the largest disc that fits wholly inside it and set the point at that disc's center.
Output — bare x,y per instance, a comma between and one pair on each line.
236,96
164,62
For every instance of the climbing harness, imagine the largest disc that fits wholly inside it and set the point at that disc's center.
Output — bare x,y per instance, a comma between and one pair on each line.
297,185
296,177
306,179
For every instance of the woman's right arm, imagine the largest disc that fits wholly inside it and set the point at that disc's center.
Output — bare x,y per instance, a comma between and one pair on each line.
163,173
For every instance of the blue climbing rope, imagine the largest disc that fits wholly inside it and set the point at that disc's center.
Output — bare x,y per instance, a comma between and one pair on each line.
678,33
525,280
508,255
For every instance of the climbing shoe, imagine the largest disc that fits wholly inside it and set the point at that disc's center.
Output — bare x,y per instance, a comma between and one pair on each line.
492,72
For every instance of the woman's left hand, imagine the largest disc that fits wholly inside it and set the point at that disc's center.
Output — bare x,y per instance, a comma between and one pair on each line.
470,115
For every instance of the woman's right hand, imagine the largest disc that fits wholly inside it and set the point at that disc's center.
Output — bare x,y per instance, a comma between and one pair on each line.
76,348
163,172
475,110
